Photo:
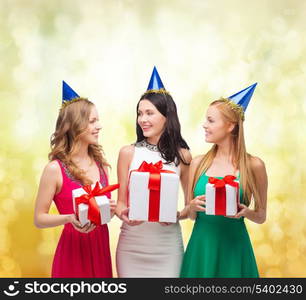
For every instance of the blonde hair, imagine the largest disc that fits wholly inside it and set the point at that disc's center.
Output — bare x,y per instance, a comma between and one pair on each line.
72,121
241,160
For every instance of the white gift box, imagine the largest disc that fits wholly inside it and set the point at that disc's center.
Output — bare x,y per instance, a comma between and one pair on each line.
139,195
232,199
102,202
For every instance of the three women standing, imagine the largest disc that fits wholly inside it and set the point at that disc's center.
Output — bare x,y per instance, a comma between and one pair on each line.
219,246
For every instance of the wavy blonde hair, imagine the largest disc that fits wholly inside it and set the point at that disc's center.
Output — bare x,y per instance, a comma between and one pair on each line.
72,121
241,160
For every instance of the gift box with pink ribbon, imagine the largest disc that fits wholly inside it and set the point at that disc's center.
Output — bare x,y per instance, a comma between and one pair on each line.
91,204
222,196
153,193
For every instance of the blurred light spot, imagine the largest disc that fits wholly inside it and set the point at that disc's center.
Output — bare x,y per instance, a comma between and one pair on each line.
2,174
265,250
7,263
19,193
292,254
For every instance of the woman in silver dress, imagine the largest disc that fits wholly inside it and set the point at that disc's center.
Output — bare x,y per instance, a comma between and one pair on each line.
152,249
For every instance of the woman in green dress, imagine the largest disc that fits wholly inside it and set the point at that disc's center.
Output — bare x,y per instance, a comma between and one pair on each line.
220,246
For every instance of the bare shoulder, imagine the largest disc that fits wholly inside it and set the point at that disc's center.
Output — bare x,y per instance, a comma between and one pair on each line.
52,168
186,155
126,154
52,174
196,161
257,164
127,150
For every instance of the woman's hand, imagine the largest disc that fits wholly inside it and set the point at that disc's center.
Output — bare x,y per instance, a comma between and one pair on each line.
124,216
77,225
197,203
243,211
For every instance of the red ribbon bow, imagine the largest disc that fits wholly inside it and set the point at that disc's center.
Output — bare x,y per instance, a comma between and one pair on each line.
155,171
89,199
228,179
219,184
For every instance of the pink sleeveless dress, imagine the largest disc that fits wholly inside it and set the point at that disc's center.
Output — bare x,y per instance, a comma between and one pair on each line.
80,254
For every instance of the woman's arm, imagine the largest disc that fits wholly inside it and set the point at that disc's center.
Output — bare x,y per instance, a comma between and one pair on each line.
124,160
193,205
184,181
50,184
258,215
123,163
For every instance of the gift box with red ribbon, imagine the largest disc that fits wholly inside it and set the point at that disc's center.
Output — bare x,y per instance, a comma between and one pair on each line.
222,196
91,205
153,193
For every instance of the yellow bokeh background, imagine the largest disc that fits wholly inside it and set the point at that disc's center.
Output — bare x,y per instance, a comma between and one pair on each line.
106,49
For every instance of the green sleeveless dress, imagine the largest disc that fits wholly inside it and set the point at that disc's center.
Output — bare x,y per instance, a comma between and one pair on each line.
219,247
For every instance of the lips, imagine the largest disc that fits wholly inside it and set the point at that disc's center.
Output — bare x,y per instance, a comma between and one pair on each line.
146,128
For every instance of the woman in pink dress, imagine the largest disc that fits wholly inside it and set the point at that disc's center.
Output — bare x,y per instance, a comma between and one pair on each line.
76,159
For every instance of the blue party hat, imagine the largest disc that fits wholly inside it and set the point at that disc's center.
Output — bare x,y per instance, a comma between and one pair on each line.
155,81
155,84
68,93
243,97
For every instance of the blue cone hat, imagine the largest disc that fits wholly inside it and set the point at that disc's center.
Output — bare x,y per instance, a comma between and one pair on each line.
68,93
243,97
155,82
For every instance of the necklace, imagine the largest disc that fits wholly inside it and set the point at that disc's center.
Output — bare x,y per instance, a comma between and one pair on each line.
147,145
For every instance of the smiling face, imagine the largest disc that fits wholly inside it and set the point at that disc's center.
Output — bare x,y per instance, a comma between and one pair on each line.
217,129
91,134
150,120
